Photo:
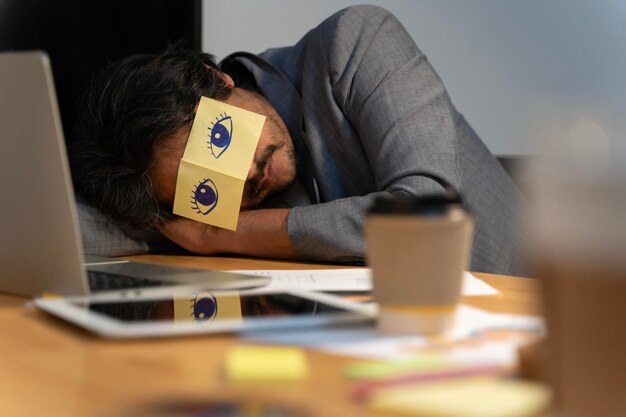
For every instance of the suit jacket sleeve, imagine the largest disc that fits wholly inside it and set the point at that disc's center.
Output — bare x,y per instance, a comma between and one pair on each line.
398,106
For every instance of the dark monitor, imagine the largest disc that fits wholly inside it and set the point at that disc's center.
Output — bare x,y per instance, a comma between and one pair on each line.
82,36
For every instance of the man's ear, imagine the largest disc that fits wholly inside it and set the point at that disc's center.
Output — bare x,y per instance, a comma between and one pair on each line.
227,79
230,83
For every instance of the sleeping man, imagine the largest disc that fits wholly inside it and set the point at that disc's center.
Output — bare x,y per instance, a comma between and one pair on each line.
353,111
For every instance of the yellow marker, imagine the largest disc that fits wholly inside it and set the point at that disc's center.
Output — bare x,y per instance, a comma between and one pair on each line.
216,162
470,397
265,364
391,368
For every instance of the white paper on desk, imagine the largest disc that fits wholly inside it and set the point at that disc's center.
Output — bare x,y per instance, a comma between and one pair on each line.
350,279
363,341
469,322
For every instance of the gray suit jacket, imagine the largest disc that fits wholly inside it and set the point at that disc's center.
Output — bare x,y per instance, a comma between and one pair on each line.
369,116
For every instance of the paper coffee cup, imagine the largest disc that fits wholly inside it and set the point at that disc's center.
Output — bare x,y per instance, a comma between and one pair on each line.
418,249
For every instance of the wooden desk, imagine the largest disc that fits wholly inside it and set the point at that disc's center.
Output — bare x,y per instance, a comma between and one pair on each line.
50,368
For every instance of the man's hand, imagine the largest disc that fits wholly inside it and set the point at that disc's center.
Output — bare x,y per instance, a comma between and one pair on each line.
191,235
261,233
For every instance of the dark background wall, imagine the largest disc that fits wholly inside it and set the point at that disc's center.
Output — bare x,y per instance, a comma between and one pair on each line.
83,36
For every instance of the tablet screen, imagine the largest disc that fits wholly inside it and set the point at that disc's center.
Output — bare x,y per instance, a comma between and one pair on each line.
205,307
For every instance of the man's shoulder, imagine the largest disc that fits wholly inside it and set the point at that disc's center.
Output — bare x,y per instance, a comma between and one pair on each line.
353,21
338,33
343,36
363,13
336,46
357,33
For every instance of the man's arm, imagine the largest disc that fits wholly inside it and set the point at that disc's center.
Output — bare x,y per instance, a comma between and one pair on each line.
388,113
261,233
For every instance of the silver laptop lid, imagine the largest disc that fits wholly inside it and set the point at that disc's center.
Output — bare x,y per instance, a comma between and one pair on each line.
40,246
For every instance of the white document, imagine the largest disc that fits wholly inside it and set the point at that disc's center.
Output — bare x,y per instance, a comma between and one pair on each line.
469,322
468,342
351,279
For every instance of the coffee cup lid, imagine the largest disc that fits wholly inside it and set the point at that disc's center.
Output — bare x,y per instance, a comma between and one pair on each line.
426,205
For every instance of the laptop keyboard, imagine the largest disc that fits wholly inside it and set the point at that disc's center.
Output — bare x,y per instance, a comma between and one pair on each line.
106,281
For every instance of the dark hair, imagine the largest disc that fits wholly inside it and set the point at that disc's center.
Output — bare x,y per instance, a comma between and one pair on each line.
130,107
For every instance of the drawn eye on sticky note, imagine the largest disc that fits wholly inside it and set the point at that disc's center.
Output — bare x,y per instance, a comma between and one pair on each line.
215,164
204,307
208,196
204,197
221,133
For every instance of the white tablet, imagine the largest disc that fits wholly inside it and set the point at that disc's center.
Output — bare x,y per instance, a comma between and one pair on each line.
158,314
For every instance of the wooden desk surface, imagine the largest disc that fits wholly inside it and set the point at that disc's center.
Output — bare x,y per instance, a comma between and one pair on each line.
50,368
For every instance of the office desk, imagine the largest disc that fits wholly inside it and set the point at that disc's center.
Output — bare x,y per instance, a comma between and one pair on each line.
50,368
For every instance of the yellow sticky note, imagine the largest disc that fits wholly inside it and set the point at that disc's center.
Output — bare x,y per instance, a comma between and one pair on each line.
216,162
223,137
470,397
207,196
265,364
206,307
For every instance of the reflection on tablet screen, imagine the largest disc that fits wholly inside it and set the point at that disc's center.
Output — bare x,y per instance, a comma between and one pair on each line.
205,306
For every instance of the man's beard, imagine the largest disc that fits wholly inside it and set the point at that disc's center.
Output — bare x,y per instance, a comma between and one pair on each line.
254,193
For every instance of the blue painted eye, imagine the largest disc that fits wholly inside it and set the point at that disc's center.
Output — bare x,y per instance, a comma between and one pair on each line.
221,134
204,197
204,306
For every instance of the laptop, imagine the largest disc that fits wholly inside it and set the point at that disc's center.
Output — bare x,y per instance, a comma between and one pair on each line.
40,242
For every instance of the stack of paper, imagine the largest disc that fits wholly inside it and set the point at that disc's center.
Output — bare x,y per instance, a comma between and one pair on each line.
350,279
